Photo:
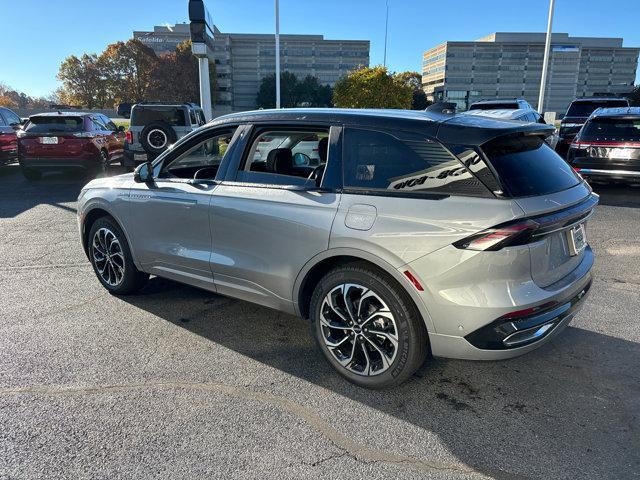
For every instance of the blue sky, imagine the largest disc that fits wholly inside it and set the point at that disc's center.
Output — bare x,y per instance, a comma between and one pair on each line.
41,33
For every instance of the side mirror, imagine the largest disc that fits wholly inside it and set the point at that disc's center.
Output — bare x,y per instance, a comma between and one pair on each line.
143,173
301,159
121,129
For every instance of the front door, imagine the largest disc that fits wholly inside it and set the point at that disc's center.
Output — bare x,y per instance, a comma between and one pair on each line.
270,219
169,218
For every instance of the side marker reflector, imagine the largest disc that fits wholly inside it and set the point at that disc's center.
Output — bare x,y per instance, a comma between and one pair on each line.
413,280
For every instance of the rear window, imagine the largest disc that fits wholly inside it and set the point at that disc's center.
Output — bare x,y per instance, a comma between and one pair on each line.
175,117
54,124
584,109
612,129
494,106
527,166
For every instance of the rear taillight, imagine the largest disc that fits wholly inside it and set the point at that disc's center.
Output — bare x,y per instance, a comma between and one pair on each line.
129,136
516,233
520,232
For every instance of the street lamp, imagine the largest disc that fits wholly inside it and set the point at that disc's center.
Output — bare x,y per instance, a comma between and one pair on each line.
545,61
386,29
277,54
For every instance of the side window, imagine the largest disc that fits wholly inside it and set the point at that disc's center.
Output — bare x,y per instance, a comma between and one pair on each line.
10,117
286,157
380,161
192,117
2,121
108,123
201,159
97,123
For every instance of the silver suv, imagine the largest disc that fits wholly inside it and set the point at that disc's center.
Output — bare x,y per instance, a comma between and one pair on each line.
415,233
154,127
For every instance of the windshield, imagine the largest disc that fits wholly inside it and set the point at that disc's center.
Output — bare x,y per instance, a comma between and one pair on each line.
48,124
527,166
612,129
584,109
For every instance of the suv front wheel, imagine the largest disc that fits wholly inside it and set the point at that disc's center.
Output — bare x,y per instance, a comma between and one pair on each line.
367,326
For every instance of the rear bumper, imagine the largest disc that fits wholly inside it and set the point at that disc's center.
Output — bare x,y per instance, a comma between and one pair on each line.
134,158
477,327
39,163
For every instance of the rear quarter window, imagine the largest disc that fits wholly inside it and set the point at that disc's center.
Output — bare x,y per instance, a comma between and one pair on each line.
527,166
175,117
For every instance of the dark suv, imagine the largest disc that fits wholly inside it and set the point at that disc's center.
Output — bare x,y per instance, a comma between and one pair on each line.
9,123
155,126
608,146
577,114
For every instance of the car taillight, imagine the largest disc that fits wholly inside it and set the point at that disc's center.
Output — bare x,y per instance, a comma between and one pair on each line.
129,136
491,239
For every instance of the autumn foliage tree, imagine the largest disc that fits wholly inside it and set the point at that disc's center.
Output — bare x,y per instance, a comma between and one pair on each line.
131,72
372,87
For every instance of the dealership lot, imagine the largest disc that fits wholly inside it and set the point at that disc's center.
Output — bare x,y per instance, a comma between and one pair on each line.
180,383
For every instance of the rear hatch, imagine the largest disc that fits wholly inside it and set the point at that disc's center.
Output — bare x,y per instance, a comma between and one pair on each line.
49,136
556,203
608,143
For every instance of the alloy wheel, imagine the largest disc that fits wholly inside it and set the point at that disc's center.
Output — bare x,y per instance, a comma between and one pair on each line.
108,257
359,329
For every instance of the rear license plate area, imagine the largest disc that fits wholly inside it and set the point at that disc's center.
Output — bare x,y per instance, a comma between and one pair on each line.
577,239
49,140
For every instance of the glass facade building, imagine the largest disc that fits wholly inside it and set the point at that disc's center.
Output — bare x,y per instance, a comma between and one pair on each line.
243,59
509,65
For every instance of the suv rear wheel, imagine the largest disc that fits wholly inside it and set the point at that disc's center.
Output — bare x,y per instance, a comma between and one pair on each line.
156,137
367,327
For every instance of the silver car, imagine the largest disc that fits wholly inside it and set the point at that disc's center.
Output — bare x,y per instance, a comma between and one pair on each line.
416,233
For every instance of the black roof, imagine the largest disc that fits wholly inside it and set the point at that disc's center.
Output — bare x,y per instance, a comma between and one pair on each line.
448,128
617,112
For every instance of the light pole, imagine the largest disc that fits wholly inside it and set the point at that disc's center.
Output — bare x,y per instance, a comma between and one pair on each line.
277,54
386,29
545,61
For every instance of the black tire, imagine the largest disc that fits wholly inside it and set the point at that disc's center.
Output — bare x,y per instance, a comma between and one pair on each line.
31,174
412,339
132,279
101,168
156,137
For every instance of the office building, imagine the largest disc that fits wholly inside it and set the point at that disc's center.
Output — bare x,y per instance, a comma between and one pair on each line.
244,59
509,65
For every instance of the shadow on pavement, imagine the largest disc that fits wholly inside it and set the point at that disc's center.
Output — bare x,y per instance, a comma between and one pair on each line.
17,194
567,410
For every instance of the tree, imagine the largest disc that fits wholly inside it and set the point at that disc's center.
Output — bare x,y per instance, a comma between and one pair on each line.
177,79
634,96
129,71
414,80
289,91
372,87
82,80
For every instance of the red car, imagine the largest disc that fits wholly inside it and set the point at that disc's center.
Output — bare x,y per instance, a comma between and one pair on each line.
69,140
9,123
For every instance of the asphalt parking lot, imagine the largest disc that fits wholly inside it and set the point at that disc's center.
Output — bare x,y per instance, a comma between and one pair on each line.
180,383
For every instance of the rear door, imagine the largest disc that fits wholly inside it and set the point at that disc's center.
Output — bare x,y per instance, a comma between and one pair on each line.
406,195
268,218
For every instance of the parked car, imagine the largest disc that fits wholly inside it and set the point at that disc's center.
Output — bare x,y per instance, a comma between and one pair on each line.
455,235
607,147
577,115
520,115
10,122
69,140
124,110
501,103
156,126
